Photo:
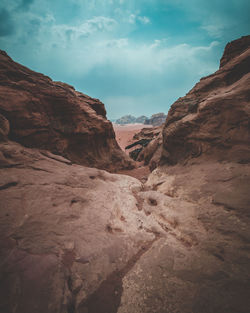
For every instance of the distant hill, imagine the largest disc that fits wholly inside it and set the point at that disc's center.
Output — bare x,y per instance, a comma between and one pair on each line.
156,119
129,119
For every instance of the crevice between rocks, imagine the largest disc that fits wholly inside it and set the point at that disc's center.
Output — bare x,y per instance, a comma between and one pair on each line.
8,185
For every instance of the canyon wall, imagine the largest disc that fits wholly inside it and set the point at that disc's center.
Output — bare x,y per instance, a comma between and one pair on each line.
54,116
213,118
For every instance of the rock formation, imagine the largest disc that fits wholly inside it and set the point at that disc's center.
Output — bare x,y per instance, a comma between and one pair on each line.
200,197
53,116
148,146
156,119
81,240
213,118
126,119
68,233
141,119
234,49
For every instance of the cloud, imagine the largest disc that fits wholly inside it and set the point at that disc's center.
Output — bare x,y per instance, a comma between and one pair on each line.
6,23
115,43
97,24
221,19
133,18
25,4
139,78
144,19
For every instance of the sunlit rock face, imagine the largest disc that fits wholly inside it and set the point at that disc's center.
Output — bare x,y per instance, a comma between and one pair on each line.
54,116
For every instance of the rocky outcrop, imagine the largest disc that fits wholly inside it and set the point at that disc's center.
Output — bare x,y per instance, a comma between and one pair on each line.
200,198
156,119
213,118
54,116
234,49
148,146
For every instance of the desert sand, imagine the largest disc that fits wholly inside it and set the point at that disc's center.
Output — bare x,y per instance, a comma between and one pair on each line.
124,137
124,133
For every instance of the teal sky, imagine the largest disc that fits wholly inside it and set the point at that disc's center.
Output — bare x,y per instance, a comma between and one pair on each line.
137,56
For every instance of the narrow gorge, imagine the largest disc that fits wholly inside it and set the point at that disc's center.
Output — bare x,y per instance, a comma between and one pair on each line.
76,237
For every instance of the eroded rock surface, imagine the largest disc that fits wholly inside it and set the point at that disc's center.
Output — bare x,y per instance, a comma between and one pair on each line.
213,118
54,116
147,146
199,196
202,261
68,233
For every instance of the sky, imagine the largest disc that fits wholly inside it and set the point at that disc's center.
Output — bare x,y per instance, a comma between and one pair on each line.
136,56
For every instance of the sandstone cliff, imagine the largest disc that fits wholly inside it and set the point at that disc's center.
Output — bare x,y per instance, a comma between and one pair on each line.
54,116
213,118
201,193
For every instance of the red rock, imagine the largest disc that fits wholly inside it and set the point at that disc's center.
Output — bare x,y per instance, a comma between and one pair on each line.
64,229
150,153
235,48
54,116
213,118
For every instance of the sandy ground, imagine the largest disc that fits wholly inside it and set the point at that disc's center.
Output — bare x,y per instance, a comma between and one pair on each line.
125,133
124,137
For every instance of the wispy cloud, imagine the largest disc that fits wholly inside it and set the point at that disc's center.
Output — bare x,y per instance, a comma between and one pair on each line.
134,18
97,24
144,19
6,23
